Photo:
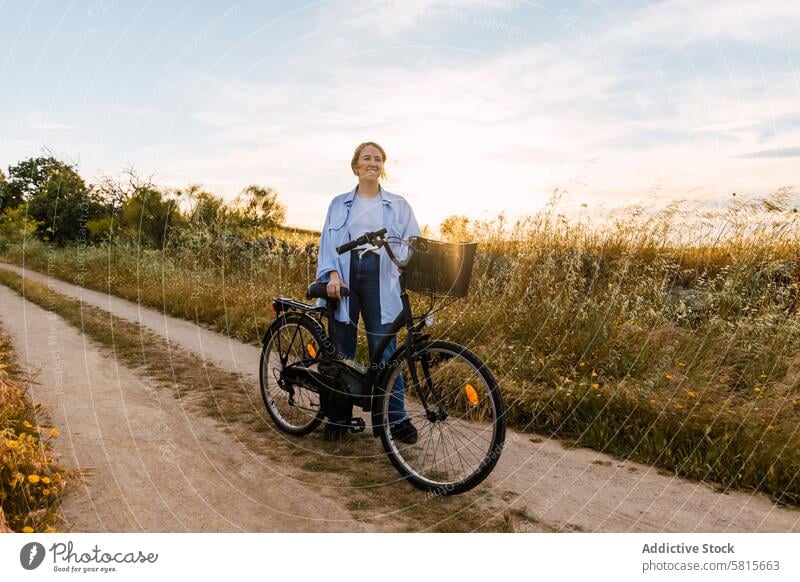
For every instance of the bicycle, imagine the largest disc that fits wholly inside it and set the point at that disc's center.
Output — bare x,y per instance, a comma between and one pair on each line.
452,397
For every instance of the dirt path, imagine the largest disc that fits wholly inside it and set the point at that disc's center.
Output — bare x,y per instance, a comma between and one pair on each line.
155,466
554,487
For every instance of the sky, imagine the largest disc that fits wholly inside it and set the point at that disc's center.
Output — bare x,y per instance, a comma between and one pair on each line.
482,106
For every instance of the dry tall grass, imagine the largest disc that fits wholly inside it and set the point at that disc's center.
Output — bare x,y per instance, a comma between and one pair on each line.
671,338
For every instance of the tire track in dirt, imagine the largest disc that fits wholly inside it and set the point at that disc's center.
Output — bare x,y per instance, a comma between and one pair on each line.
544,484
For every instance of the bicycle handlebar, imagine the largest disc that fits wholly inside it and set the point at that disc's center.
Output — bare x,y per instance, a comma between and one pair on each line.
369,237
320,291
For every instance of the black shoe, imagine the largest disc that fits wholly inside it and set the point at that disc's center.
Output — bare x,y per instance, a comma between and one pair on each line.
404,432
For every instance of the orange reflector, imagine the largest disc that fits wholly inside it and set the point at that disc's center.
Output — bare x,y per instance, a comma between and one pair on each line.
311,351
472,395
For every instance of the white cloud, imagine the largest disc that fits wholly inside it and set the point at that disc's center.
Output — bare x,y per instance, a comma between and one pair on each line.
452,132
386,18
680,22
488,133
37,122
469,132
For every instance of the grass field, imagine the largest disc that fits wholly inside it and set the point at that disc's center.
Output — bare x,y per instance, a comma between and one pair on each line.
671,339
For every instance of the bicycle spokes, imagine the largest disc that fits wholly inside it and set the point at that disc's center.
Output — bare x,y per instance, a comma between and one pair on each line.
425,389
294,405
285,353
456,416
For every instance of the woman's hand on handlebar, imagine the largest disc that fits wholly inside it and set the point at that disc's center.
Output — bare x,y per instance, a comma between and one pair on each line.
335,285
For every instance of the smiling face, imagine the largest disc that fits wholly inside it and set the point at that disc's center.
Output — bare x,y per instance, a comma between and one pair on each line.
368,163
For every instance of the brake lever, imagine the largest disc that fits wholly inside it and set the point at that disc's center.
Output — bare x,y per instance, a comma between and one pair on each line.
377,238
373,241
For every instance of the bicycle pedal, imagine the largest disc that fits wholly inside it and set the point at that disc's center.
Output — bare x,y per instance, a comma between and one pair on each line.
357,425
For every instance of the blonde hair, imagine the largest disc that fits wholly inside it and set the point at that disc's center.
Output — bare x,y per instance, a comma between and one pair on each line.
357,153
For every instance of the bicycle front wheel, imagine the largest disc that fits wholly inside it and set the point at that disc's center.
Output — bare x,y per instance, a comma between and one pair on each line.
458,412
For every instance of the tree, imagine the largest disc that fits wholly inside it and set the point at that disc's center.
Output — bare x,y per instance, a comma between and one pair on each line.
2,188
256,211
149,216
115,192
61,203
205,210
28,178
133,207
15,226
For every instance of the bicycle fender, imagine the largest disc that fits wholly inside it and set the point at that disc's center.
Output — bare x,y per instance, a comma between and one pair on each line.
286,316
270,331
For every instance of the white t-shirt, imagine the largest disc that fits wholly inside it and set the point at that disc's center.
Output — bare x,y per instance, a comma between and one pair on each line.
366,215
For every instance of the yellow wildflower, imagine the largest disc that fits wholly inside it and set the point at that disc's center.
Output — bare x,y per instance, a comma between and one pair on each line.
27,424
595,386
33,478
668,376
770,427
691,394
652,401
54,432
12,444
46,480
594,374
794,402
45,492
27,529
756,389
763,376
581,364
679,406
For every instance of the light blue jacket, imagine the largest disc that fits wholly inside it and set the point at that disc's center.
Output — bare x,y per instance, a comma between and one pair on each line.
398,219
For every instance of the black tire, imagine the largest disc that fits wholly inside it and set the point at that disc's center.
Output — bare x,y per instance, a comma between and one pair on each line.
471,436
295,410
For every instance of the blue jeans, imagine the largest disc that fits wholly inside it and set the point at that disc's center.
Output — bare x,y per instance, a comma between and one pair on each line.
365,300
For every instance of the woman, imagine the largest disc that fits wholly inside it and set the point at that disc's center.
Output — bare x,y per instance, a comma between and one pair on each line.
373,280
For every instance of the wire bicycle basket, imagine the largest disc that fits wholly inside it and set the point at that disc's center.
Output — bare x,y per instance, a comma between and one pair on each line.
440,268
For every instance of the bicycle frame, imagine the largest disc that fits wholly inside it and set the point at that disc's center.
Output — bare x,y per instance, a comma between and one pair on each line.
464,397
377,370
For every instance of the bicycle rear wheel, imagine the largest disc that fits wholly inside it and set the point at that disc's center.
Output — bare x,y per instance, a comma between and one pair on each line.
461,426
292,338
